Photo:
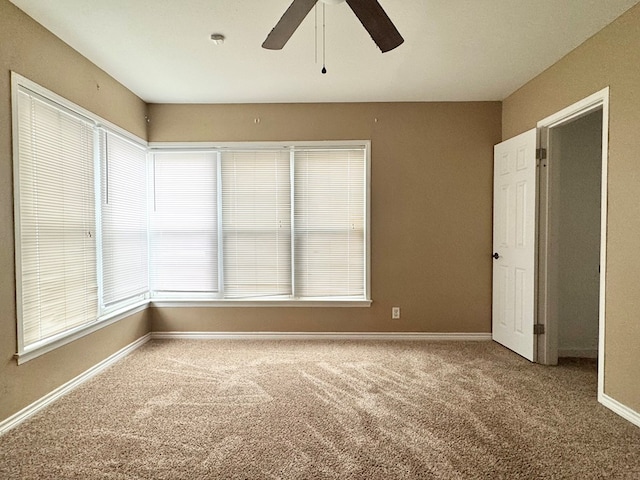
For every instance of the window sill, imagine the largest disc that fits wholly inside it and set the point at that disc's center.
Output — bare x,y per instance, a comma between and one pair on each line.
64,338
187,303
49,344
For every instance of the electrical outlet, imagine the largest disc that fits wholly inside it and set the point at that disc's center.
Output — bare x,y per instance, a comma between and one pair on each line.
395,313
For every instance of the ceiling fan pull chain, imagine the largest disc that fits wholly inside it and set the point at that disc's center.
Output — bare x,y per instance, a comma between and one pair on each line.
324,40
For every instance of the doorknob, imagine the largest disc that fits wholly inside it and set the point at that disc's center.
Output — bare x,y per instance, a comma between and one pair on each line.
496,255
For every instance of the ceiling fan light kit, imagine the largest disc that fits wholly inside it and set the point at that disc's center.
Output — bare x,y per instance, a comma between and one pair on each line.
370,13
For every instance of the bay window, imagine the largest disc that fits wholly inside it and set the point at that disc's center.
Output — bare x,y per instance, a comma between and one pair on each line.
106,223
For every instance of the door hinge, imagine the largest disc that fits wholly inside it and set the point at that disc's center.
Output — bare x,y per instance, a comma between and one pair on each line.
541,153
538,329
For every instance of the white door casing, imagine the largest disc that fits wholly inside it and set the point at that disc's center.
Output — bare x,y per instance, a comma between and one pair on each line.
514,243
547,343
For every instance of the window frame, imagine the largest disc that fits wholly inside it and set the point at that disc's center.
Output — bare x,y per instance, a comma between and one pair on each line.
151,161
103,182
218,300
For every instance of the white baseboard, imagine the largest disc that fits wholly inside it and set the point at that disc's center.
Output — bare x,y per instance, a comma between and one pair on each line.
578,353
52,396
622,410
322,336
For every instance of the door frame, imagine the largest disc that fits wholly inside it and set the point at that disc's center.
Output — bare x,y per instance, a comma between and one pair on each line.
548,342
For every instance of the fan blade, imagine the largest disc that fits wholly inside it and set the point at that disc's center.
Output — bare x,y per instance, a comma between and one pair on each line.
288,24
377,23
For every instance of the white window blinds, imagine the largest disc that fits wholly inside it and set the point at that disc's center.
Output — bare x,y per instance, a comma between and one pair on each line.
55,219
124,220
256,223
330,223
183,223
235,224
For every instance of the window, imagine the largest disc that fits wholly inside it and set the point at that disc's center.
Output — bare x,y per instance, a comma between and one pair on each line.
184,224
330,223
256,223
125,259
55,222
283,223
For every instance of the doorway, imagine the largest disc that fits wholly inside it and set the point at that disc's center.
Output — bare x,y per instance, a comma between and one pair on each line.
573,255
572,232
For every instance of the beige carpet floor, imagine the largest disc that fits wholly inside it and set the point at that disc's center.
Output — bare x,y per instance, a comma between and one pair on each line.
180,409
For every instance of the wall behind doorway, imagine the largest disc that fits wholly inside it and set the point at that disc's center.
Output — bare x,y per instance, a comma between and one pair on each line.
576,157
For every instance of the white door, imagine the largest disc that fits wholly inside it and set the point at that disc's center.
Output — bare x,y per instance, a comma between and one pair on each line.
514,235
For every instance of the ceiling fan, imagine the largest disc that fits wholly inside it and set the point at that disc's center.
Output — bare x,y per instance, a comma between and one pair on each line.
369,12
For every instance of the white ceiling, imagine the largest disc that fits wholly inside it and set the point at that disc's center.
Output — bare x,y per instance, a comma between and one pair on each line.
454,50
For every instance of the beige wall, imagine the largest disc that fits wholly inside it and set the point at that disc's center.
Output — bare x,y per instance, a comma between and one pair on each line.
610,58
431,210
28,49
